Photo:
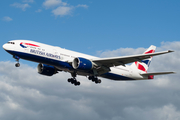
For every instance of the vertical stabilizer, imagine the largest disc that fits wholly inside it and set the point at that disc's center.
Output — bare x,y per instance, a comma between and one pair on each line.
143,65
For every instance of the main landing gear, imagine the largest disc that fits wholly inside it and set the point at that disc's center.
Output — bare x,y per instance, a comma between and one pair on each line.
17,59
94,79
77,83
73,80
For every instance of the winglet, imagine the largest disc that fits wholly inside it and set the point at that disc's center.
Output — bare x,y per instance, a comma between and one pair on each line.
170,51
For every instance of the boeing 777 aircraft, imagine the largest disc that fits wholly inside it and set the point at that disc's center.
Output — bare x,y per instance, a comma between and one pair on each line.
53,59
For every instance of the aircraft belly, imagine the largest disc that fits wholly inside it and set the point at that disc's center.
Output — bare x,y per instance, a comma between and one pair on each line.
117,77
118,73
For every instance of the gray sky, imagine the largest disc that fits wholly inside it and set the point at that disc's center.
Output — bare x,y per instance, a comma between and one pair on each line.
26,95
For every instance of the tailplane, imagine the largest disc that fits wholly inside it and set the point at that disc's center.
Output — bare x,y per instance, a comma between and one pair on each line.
142,66
151,75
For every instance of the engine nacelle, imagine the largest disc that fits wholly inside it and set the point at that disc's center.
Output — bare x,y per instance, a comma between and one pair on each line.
47,70
82,64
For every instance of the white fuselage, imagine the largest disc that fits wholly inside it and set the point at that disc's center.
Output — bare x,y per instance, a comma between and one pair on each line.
61,58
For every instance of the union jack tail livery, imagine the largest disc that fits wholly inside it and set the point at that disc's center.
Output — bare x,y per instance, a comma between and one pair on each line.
143,65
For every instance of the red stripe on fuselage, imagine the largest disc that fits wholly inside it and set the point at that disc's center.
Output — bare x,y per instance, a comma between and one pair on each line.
30,44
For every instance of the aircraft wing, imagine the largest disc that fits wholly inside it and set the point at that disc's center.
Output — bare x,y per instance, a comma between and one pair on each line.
115,61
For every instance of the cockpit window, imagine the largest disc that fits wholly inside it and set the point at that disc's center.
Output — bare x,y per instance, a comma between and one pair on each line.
11,42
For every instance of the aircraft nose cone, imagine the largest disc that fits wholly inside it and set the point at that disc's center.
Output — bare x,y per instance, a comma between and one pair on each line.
4,47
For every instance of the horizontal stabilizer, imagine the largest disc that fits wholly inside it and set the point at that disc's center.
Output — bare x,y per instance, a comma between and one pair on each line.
157,73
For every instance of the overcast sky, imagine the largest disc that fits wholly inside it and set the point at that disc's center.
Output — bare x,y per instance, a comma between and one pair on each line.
104,29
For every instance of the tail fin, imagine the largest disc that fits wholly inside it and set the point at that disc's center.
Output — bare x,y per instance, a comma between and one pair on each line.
143,65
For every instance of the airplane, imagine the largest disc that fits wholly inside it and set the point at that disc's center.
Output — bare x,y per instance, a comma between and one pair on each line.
54,59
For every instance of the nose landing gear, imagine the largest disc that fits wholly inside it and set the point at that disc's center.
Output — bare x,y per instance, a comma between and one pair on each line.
17,59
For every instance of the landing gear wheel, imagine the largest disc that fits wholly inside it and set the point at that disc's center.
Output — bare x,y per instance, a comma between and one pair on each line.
17,64
99,81
73,81
93,80
76,83
90,77
69,80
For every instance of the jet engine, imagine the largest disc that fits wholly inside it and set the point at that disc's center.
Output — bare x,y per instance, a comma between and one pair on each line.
47,70
82,64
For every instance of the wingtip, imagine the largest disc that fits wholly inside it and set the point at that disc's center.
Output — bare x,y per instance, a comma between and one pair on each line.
171,72
170,51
